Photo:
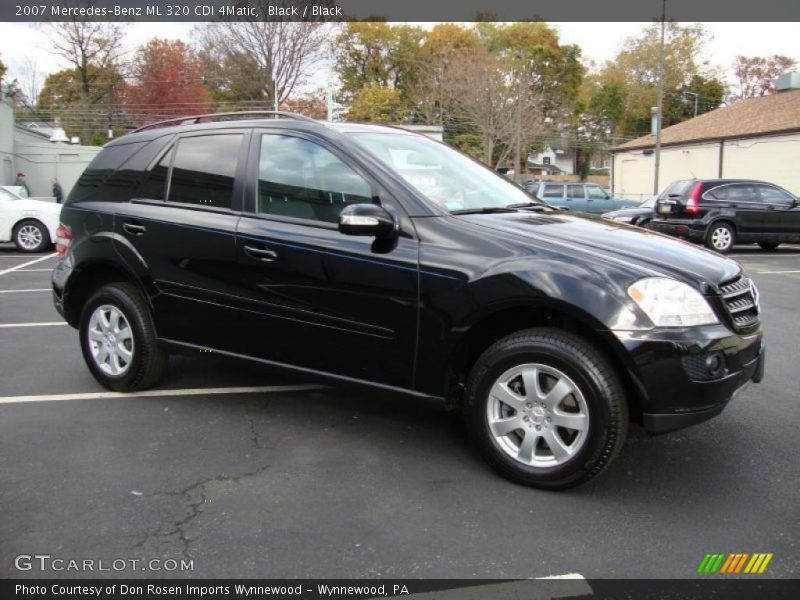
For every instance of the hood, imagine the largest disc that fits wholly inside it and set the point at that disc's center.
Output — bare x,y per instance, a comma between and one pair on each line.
595,239
629,212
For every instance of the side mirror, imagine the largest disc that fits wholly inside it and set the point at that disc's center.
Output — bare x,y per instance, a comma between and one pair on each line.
367,219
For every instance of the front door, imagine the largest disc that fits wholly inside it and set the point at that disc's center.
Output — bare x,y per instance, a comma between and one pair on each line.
316,298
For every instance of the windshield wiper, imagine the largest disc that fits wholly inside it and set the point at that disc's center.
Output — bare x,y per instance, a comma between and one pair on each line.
486,210
531,206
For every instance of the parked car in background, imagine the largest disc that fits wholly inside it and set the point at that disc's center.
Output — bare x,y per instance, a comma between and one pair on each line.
580,197
638,215
724,212
30,224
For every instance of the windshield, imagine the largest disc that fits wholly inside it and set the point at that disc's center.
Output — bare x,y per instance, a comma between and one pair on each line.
8,195
443,175
649,203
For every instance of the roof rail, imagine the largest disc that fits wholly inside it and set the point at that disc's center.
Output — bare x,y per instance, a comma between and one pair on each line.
192,119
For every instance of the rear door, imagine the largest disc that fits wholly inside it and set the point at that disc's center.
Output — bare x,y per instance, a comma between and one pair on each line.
180,233
553,193
744,201
316,298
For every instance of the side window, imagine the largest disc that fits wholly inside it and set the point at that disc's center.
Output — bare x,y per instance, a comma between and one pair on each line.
553,191
717,193
204,170
575,191
301,179
595,192
741,193
773,195
156,184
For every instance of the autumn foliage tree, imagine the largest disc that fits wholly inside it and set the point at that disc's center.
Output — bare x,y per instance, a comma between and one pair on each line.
755,74
168,81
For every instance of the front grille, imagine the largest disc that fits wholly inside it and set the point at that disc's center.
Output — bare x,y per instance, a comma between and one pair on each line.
740,303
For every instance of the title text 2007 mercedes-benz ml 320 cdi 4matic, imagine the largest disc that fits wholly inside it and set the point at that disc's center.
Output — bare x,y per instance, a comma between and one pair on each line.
371,254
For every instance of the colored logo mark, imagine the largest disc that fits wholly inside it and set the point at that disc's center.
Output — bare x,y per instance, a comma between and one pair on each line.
731,564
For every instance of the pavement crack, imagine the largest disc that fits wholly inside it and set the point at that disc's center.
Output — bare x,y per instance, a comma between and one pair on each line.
197,496
254,433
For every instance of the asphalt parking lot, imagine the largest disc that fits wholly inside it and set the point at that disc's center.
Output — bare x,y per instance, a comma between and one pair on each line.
253,474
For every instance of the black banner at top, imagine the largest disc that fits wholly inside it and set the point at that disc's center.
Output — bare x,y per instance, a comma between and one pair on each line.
402,10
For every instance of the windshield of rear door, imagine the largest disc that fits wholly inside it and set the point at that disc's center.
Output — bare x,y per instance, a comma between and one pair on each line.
443,175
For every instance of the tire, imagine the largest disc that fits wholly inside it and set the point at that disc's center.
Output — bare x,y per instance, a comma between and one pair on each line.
31,236
596,401
140,361
769,245
720,237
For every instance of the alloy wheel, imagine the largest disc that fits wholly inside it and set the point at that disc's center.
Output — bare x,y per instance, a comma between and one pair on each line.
29,237
110,340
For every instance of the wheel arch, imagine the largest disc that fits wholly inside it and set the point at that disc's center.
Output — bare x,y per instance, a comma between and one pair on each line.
90,277
497,325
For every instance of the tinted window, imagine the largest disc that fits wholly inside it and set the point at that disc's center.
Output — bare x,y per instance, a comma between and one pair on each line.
156,184
717,193
575,191
204,170
104,164
298,178
677,188
774,195
595,192
741,193
553,191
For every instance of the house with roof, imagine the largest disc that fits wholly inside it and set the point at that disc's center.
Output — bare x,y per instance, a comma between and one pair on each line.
758,138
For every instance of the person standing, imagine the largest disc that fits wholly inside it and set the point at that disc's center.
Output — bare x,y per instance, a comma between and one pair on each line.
20,181
58,191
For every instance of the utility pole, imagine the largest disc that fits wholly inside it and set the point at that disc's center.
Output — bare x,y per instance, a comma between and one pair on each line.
660,107
518,140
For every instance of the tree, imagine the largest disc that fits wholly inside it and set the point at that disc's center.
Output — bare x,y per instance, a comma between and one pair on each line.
284,52
480,88
93,50
376,104
311,105
168,79
231,80
375,53
754,74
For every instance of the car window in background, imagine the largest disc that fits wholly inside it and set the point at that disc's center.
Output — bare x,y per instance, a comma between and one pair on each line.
204,169
677,188
443,175
575,191
717,193
553,191
595,192
742,193
773,195
301,179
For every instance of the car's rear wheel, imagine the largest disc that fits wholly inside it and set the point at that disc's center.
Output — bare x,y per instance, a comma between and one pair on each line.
31,236
721,237
118,339
769,245
546,409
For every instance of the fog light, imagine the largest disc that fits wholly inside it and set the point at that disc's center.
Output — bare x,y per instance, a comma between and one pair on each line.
715,364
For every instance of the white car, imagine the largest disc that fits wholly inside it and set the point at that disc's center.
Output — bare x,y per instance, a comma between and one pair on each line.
30,224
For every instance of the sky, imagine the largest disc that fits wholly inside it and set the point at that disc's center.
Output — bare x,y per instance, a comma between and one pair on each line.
22,43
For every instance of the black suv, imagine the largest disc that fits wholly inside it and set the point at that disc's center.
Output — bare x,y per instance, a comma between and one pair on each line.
373,255
724,212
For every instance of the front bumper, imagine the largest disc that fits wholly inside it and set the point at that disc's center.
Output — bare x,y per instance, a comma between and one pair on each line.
687,376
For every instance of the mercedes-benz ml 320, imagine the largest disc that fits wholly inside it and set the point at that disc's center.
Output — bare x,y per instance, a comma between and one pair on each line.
377,256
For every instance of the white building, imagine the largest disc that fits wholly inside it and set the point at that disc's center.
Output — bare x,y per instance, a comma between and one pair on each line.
28,149
757,138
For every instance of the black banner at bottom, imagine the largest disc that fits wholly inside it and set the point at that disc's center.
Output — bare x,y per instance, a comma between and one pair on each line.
418,589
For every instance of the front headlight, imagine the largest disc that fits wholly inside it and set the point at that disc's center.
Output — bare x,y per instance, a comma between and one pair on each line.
670,303
623,219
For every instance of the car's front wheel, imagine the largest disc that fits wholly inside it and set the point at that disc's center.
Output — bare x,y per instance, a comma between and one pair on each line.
31,236
546,409
118,339
721,238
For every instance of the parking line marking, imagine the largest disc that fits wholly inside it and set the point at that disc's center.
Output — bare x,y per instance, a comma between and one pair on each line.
25,291
161,393
34,271
49,324
29,263
775,272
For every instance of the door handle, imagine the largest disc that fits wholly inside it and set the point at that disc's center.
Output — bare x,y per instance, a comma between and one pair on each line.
134,228
260,253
